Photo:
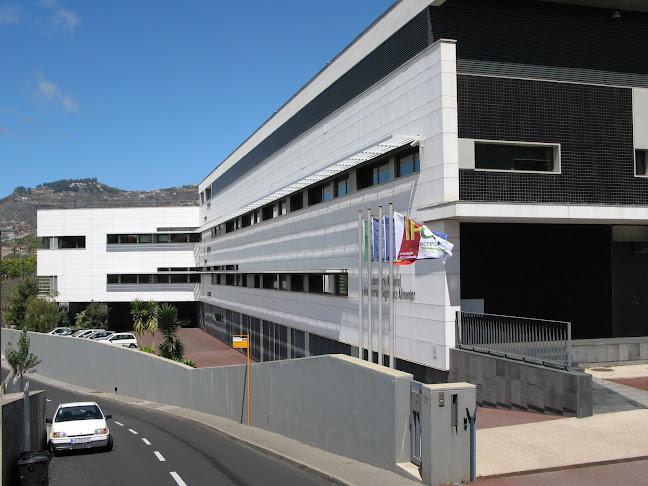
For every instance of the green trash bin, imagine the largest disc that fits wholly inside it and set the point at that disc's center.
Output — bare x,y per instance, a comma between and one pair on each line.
32,468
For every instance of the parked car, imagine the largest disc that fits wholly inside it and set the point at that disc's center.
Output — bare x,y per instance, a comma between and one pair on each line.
127,339
101,333
77,332
80,425
61,331
87,332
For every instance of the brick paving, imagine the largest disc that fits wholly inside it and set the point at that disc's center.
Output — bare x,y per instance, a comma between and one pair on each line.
640,383
202,348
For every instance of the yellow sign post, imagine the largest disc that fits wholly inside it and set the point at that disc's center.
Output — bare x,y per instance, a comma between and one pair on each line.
240,342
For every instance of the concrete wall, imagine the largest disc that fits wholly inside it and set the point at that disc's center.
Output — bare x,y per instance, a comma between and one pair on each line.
514,384
610,352
336,403
12,433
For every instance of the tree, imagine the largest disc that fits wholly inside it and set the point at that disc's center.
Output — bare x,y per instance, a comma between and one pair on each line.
151,308
168,323
94,316
26,288
41,314
138,312
20,360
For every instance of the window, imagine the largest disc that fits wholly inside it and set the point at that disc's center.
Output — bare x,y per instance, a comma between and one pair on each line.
640,162
523,157
408,164
208,193
71,242
297,201
47,242
374,174
145,238
342,186
229,226
297,283
202,197
320,193
267,213
282,207
246,220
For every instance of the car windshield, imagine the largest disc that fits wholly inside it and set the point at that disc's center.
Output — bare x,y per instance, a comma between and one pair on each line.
78,412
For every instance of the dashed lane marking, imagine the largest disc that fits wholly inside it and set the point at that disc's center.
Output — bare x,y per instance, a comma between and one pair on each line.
178,479
159,456
120,424
146,441
132,431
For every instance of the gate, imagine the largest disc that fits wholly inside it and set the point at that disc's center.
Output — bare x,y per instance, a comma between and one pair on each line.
416,389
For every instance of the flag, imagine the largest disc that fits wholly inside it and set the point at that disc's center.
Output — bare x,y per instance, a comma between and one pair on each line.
415,241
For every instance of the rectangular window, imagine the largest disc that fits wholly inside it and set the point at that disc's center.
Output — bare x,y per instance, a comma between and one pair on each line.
297,283
523,157
297,201
282,207
208,193
320,193
640,162
112,239
246,220
145,238
202,197
178,278
373,174
164,238
283,282
268,281
408,164
130,279
46,243
229,226
113,279
179,238
71,242
342,186
267,213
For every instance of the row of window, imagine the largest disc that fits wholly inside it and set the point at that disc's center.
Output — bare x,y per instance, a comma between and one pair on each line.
123,239
383,170
332,283
152,278
269,341
63,242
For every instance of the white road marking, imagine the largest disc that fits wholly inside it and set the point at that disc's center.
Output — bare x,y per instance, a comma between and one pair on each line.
159,456
178,479
146,441
47,399
132,431
120,424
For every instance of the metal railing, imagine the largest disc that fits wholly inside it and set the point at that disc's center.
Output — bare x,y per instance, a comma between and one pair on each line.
537,341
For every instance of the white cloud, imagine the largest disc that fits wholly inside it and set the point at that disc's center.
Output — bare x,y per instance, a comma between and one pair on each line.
66,19
10,14
50,92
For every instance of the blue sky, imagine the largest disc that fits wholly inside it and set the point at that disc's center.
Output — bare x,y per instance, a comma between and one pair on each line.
150,94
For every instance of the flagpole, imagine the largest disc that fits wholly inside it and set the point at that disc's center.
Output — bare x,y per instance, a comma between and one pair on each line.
392,339
360,245
370,273
381,222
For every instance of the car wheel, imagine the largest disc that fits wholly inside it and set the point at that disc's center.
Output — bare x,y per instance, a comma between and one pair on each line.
132,346
109,446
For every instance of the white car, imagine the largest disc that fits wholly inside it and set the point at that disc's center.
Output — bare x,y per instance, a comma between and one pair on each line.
127,339
61,331
80,425
98,334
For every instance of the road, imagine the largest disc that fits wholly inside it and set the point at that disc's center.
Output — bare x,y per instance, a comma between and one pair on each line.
156,448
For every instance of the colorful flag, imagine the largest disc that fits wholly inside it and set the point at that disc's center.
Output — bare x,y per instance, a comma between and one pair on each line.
415,241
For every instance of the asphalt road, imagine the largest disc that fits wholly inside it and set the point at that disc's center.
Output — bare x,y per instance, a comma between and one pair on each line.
155,448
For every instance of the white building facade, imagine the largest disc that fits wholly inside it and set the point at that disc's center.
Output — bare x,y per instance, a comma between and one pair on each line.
118,255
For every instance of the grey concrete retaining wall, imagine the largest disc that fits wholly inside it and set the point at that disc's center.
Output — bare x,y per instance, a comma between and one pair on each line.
336,403
610,352
12,432
513,384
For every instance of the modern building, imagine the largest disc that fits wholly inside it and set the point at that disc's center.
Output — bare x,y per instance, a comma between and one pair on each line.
517,127
117,255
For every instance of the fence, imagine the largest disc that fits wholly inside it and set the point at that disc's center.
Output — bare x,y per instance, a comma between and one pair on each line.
534,340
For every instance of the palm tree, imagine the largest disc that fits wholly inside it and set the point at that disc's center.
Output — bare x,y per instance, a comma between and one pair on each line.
168,324
139,317
151,309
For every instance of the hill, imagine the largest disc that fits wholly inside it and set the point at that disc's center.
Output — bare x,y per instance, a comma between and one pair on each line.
18,210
